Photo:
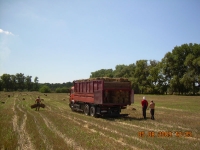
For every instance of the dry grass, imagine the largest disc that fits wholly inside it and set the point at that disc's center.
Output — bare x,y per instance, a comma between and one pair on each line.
57,127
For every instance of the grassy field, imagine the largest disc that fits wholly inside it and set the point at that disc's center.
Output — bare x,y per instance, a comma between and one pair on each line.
56,127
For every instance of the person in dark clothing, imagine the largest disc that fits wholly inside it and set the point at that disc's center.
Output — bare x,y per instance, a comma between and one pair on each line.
38,101
144,103
152,109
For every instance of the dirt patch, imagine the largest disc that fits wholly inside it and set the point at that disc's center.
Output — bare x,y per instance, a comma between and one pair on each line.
68,141
110,130
44,137
15,127
48,108
24,139
170,108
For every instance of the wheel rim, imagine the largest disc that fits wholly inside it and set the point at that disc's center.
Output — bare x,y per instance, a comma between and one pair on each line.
86,109
92,111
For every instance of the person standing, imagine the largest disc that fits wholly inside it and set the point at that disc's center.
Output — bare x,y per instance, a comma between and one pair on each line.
152,109
38,101
144,103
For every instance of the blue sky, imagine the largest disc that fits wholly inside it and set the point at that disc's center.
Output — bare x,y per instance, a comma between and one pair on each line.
65,40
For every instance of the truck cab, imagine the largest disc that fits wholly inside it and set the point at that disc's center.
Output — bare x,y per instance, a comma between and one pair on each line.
71,96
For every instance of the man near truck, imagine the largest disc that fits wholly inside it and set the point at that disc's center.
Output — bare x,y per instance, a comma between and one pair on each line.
144,103
152,108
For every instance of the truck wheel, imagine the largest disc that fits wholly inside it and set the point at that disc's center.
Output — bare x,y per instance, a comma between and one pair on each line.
71,106
93,111
86,109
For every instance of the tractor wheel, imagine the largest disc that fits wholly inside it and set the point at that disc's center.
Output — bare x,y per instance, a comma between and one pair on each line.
86,109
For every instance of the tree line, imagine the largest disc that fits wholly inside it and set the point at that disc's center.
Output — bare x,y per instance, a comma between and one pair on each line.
177,73
20,82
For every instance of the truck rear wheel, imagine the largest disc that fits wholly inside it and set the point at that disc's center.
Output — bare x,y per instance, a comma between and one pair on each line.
93,111
86,109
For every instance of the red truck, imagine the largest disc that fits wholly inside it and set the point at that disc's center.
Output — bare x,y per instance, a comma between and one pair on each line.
101,96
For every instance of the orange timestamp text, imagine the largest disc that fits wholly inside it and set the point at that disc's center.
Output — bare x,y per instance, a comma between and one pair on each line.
165,134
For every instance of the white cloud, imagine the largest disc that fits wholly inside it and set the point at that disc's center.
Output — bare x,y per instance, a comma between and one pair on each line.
6,32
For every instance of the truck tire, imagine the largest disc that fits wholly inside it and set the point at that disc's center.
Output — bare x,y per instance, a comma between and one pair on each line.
93,111
86,109
71,106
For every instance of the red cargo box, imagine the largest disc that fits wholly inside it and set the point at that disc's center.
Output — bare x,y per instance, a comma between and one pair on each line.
103,91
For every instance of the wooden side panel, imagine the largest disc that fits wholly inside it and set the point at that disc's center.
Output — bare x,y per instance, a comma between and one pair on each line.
95,85
87,87
91,87
98,97
80,87
89,98
84,91
84,87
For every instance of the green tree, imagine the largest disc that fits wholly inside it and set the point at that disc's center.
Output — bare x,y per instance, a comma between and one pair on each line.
181,66
28,82
192,62
141,74
6,81
134,84
187,81
120,71
36,84
124,71
62,90
65,90
13,82
1,85
20,79
58,90
68,84
102,73
155,77
45,89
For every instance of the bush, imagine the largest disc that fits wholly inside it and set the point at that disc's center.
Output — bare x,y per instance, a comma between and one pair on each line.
58,90
62,90
45,89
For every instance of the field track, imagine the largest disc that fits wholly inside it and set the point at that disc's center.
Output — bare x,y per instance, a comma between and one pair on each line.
56,127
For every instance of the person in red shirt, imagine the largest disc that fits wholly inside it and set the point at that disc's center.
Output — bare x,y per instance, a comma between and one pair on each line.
144,103
38,101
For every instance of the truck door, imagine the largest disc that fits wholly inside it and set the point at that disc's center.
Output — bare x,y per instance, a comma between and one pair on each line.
71,98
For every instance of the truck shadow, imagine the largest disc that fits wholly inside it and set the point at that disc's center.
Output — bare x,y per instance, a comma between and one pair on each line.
124,117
